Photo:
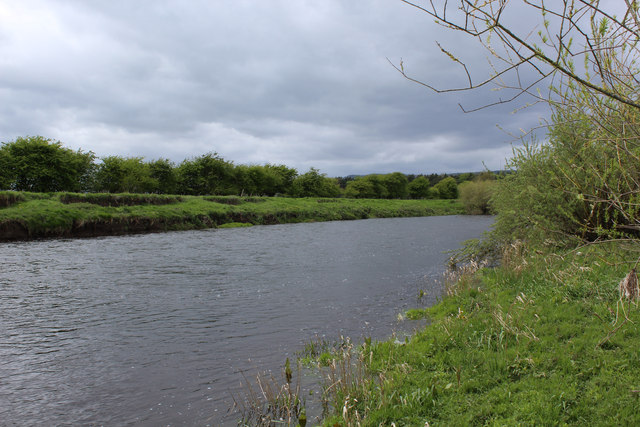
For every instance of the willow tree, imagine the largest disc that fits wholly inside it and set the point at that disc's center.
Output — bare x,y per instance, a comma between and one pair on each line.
569,32
581,58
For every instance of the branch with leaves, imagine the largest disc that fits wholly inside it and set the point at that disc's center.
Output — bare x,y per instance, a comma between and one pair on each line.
569,30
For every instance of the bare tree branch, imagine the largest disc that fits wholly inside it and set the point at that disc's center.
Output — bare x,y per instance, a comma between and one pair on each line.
602,35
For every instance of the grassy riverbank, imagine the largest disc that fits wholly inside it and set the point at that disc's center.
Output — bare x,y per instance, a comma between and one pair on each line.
542,340
35,215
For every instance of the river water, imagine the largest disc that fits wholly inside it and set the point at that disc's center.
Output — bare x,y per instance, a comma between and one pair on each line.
158,329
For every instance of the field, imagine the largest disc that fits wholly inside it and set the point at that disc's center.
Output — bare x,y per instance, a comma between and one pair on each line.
37,215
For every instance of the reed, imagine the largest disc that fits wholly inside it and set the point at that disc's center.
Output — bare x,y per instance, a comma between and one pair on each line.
268,401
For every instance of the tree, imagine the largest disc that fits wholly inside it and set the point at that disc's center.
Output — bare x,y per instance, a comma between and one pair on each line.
397,185
447,188
420,188
379,185
267,180
6,175
371,187
163,171
207,174
360,188
315,184
284,177
435,178
109,175
584,182
390,186
344,180
464,177
246,180
35,163
570,32
118,174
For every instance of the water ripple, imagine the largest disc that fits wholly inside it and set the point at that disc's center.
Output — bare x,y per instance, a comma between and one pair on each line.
156,329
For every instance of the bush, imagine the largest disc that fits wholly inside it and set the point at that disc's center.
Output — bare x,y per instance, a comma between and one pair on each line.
476,196
124,175
582,185
122,199
315,184
420,188
447,188
360,188
207,174
37,164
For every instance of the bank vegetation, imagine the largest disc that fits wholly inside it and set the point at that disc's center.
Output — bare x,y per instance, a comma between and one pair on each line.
25,215
39,164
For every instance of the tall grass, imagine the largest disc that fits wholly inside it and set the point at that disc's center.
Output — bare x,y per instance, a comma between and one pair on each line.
268,401
125,199
8,198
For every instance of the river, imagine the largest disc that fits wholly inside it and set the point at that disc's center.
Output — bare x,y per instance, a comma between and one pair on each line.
157,329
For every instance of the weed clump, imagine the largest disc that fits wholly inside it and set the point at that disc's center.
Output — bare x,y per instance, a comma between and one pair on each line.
8,198
269,401
629,286
124,199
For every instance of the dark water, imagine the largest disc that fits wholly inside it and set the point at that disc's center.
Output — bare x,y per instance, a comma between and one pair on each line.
155,329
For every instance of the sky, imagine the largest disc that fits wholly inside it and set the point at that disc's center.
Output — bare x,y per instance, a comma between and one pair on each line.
305,83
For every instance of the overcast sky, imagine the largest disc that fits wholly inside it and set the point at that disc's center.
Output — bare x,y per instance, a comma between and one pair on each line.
303,83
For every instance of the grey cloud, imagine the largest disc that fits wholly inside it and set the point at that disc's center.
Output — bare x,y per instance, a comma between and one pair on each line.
300,83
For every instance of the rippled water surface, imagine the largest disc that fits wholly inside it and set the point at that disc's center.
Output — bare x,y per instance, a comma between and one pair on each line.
155,329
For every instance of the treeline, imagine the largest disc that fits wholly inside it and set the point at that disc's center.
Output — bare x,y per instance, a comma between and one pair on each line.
397,186
38,164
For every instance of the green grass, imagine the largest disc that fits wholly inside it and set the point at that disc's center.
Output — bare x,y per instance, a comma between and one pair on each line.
545,341
32,215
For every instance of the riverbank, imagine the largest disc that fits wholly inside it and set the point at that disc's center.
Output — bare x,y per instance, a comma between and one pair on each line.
41,215
542,340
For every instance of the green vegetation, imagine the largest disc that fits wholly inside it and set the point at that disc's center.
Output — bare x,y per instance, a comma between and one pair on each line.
32,215
476,195
446,189
314,184
420,188
270,401
39,164
583,185
44,165
390,186
542,340
78,197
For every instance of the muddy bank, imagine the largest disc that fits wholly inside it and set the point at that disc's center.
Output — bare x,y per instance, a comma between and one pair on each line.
16,230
